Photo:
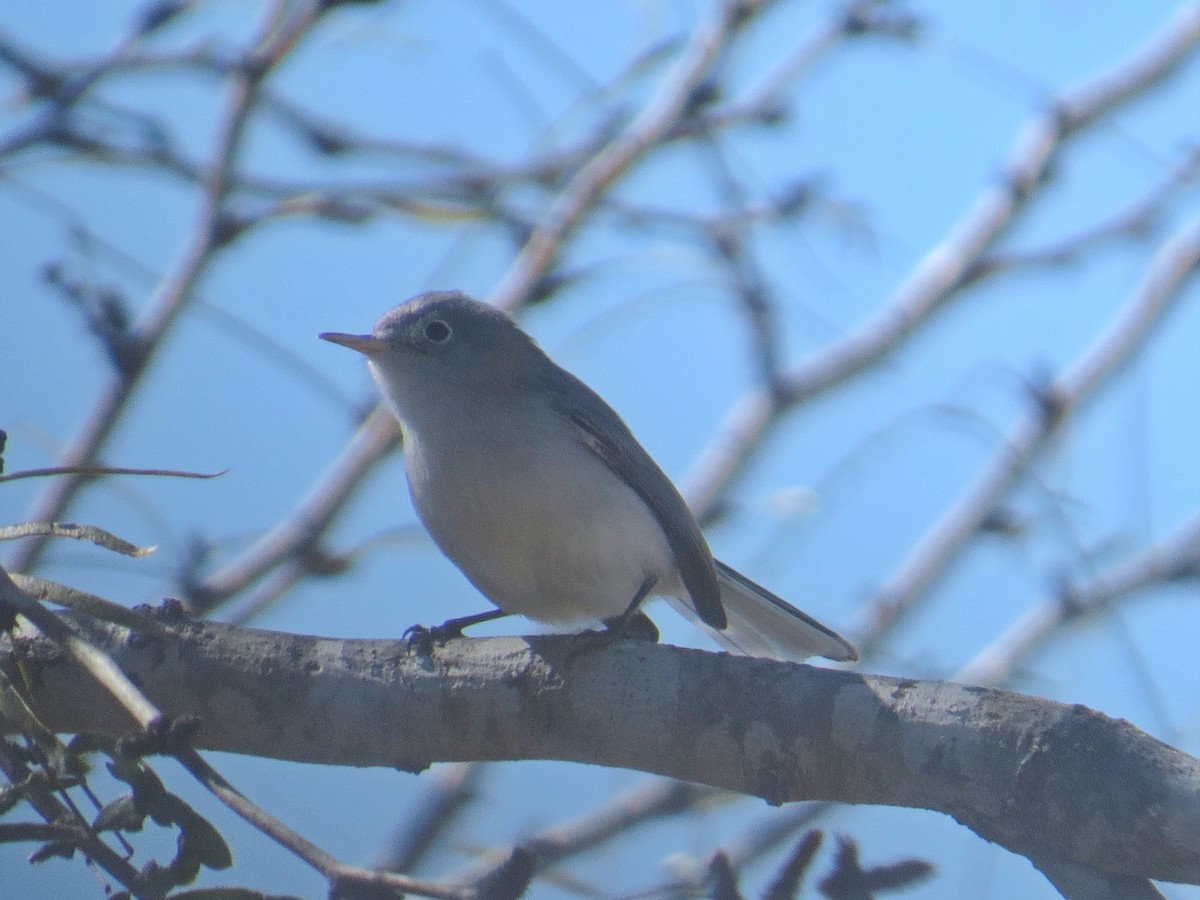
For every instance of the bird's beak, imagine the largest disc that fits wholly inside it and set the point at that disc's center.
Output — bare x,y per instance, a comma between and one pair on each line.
366,344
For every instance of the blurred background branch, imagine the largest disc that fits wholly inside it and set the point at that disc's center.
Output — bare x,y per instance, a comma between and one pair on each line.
785,240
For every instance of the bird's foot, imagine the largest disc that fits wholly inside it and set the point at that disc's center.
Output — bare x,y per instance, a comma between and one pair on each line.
424,637
630,627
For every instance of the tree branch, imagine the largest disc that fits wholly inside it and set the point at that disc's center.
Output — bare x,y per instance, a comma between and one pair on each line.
303,530
664,110
97,671
945,271
278,38
1177,261
1176,556
1020,771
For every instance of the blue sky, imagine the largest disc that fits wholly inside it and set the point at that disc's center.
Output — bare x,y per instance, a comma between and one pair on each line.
899,138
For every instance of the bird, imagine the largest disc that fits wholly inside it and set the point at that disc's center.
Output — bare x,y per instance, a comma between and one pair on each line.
537,490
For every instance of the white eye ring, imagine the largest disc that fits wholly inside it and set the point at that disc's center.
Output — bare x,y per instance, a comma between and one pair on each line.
437,331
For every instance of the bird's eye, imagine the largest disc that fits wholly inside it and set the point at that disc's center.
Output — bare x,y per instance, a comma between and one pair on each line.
437,331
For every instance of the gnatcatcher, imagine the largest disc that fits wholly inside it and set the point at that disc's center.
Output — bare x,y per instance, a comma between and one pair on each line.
540,494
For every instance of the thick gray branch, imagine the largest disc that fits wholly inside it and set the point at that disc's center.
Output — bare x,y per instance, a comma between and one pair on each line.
1036,776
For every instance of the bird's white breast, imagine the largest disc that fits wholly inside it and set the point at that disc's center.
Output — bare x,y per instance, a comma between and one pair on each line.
537,522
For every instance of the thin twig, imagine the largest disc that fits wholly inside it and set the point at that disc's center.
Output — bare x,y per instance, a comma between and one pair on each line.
1136,220
1175,556
59,815
81,601
96,471
97,536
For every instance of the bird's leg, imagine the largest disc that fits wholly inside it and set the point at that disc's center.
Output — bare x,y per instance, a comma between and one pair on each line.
451,628
633,623
636,627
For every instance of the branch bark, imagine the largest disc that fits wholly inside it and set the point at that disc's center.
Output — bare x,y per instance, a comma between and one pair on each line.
1040,778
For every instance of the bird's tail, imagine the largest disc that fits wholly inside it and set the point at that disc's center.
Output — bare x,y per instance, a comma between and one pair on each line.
763,625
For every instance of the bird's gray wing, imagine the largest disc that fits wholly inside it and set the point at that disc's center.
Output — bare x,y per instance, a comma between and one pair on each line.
601,430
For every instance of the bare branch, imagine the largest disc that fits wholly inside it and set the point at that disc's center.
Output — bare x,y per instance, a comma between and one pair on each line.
1176,556
658,800
115,685
1175,263
941,275
1014,769
1022,766
1135,221
278,37
302,532
81,601
60,815
604,168
97,536
454,789
96,471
